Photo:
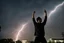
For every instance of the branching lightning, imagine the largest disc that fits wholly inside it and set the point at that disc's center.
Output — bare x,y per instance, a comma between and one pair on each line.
48,16
59,5
20,31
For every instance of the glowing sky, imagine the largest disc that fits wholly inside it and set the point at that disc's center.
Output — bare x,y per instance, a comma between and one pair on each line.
20,30
16,12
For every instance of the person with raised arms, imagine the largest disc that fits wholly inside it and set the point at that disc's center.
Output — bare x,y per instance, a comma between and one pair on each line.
39,28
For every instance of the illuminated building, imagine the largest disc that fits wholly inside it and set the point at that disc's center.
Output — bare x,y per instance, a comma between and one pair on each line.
55,40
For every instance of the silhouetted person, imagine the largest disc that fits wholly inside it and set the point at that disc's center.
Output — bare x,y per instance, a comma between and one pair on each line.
39,28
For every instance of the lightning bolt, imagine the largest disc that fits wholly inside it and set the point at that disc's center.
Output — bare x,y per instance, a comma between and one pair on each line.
17,36
59,5
53,11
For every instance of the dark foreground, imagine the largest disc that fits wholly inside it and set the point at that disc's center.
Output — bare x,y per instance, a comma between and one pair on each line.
18,41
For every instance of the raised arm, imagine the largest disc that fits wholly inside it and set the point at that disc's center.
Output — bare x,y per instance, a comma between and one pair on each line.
0,28
33,14
33,17
45,13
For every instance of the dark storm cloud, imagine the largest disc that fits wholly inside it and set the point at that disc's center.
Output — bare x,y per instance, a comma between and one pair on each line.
15,12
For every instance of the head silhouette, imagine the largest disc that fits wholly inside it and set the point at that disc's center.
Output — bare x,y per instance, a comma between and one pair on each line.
39,20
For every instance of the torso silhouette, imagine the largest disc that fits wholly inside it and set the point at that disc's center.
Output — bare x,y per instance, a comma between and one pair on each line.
39,27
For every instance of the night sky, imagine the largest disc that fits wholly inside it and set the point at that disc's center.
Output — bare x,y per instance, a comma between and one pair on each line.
14,13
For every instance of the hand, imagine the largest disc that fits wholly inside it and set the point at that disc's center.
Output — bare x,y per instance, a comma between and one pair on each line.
34,12
45,11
